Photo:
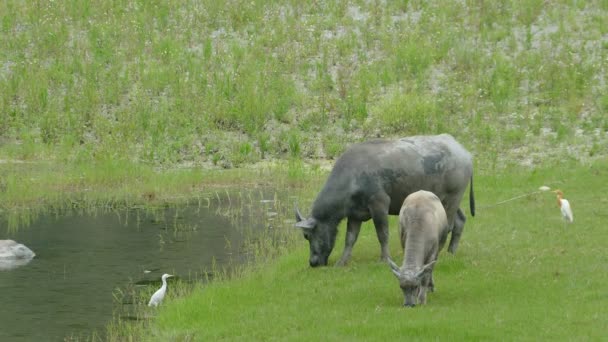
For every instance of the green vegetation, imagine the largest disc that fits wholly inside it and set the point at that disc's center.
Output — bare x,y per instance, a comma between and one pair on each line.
520,273
30,189
171,83
128,103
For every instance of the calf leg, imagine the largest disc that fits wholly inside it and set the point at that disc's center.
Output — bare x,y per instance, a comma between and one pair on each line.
459,220
422,295
426,285
352,232
430,281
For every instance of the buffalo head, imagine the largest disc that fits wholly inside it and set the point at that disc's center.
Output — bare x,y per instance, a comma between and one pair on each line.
320,235
412,282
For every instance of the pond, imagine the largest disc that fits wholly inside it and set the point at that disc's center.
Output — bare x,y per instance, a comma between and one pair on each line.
83,260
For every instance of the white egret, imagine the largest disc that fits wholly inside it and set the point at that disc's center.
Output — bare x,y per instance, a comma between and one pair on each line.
158,296
564,206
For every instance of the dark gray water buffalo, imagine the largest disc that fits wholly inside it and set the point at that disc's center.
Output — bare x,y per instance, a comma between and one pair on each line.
370,180
423,227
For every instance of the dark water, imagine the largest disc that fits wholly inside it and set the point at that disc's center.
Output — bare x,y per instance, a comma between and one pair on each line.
81,260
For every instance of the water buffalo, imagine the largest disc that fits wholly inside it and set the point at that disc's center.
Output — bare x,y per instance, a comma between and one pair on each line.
423,227
371,179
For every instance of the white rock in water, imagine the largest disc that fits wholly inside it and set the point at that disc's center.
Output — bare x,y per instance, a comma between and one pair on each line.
13,255
10,249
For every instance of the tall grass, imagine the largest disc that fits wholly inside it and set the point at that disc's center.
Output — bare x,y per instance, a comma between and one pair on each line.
156,81
28,190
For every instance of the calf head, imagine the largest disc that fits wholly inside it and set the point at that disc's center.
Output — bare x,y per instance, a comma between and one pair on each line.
320,235
413,282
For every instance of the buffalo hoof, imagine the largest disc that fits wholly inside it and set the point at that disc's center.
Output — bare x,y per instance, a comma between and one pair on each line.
384,259
316,261
341,263
452,249
453,244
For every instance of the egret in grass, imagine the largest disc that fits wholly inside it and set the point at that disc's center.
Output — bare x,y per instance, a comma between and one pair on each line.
158,296
564,206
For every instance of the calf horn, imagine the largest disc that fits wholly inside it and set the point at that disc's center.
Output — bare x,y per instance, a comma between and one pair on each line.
396,270
425,268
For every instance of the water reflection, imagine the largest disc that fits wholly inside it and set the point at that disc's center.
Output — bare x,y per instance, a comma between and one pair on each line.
82,259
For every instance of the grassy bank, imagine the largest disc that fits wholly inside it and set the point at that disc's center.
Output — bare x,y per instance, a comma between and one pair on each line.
519,274
29,189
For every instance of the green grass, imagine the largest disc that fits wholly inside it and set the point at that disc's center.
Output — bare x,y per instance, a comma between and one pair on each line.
167,82
519,274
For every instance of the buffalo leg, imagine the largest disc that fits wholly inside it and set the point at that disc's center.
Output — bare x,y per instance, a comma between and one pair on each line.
352,232
451,205
379,210
459,221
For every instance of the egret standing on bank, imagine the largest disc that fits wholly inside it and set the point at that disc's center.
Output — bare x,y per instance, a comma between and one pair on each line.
564,206
158,296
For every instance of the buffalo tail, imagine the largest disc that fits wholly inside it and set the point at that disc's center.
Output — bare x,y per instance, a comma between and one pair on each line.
471,198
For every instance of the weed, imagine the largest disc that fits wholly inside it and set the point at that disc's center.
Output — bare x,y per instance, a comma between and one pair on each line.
293,142
332,145
263,144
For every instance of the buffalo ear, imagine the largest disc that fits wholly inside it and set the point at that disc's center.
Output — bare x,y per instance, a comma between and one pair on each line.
426,268
308,223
